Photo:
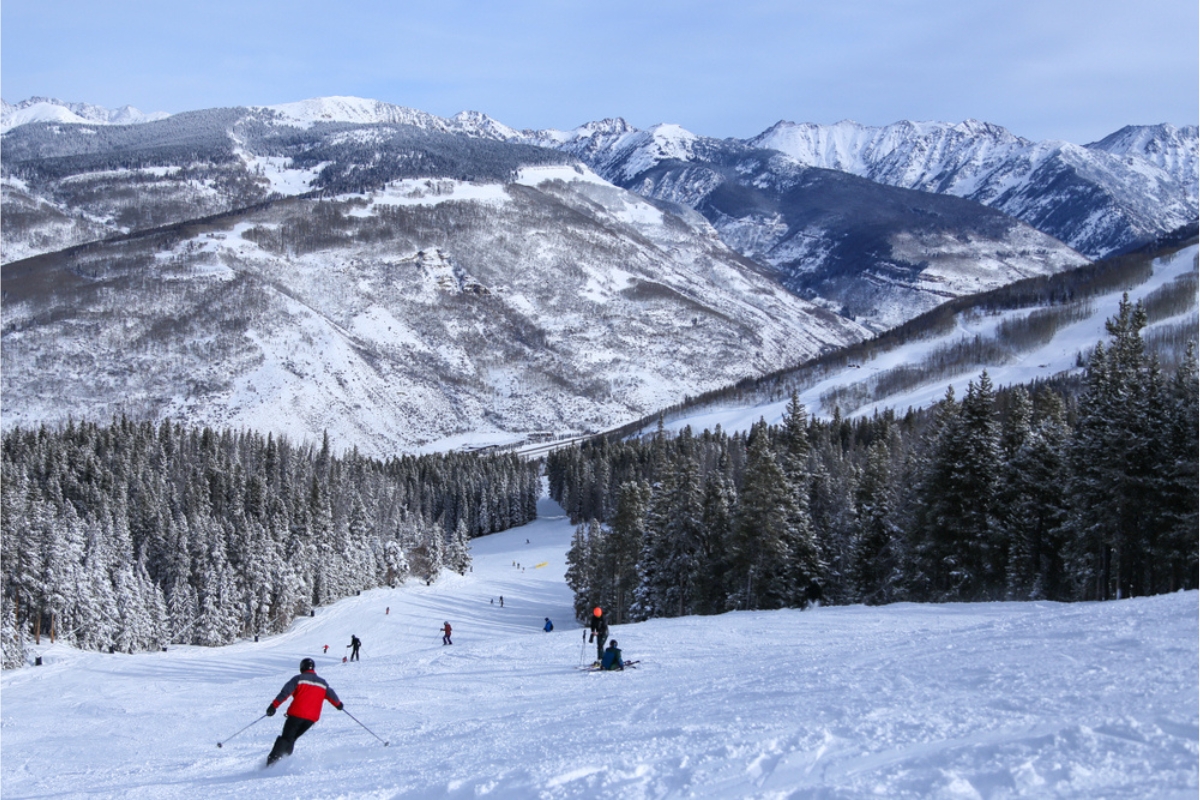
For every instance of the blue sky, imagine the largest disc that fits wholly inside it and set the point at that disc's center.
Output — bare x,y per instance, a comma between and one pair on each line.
1066,69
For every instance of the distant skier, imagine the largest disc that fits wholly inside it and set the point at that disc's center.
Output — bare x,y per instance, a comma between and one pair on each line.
599,628
354,645
308,691
549,626
612,657
502,601
326,650
446,634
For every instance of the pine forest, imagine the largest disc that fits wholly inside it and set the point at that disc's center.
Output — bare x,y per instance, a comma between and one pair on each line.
132,536
1084,491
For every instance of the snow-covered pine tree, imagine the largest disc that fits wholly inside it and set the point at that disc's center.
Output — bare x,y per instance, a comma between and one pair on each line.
627,536
1032,498
984,550
760,545
458,558
934,570
1113,487
1181,488
716,529
806,561
876,562
670,559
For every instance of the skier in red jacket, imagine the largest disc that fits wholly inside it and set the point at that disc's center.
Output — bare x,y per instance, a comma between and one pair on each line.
309,692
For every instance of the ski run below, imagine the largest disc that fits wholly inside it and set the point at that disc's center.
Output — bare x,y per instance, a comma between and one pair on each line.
986,700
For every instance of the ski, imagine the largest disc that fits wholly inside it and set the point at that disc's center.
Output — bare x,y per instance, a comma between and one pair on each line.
594,668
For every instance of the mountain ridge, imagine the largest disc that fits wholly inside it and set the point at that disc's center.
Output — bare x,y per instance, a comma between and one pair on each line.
408,281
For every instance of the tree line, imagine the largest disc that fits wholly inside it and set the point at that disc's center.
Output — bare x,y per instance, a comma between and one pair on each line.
131,536
1086,494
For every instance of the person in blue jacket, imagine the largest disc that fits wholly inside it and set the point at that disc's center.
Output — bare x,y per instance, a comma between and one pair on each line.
549,626
612,657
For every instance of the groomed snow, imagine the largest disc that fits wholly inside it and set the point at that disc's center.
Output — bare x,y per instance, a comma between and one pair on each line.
990,700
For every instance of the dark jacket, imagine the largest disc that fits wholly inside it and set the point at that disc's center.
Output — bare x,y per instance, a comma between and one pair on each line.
612,659
308,691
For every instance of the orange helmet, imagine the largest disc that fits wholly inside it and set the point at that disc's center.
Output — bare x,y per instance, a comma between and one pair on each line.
596,612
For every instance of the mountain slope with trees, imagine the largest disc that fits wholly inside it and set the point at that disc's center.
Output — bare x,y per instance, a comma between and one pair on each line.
133,536
1050,494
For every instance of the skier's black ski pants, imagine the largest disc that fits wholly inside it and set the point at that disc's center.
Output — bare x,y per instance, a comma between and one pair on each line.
293,729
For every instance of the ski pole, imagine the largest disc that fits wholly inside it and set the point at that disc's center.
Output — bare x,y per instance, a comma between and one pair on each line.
364,727
582,646
260,719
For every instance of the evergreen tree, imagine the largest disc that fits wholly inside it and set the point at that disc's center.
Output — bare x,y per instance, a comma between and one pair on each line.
876,562
1032,500
761,541
459,557
1113,481
716,530
1181,489
627,537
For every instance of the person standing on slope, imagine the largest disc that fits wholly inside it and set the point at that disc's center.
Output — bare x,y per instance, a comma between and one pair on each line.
446,634
354,645
309,692
599,627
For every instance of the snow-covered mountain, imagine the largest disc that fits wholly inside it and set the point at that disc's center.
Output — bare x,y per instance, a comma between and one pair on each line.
1106,197
878,253
1018,343
1167,147
421,314
361,111
47,109
409,281
1100,199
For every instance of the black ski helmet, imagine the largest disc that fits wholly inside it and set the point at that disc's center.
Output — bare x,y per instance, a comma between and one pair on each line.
307,665
613,643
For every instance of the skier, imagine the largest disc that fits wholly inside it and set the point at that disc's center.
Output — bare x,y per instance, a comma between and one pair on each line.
599,627
549,626
446,634
502,601
354,645
308,692
326,650
612,657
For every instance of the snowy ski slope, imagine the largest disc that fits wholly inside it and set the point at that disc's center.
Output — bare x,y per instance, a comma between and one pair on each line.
991,700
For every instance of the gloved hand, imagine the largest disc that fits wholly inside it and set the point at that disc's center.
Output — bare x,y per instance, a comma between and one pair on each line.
271,710
342,707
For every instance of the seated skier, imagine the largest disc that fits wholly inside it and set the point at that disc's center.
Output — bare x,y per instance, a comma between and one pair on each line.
612,657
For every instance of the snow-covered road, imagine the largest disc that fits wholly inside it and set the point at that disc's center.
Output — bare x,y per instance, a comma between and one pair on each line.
987,700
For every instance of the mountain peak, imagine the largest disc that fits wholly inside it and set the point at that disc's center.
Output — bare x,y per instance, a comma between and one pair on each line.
355,110
49,109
